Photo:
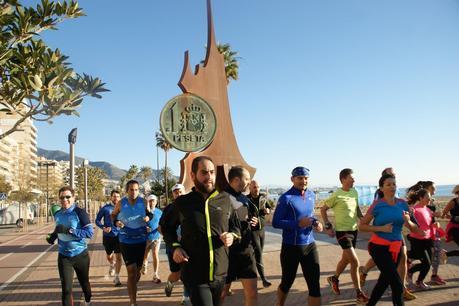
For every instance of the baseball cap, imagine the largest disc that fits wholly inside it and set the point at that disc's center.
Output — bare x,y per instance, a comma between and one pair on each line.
177,186
300,171
152,197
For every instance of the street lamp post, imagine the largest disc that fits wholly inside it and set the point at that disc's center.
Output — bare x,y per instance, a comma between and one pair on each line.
157,163
72,140
47,192
47,164
85,173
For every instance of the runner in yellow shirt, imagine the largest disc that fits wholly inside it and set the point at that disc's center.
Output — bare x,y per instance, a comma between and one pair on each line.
345,205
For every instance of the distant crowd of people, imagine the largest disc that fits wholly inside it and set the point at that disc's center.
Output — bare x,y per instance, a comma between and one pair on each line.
214,238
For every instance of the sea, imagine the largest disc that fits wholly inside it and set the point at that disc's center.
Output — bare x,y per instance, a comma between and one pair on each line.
367,192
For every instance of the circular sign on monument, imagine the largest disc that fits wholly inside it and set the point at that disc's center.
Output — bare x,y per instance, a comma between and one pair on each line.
188,123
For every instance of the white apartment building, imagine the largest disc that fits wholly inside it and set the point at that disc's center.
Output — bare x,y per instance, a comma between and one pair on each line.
52,175
18,154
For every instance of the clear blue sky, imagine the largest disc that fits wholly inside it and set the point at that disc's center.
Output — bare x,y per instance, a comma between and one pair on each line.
325,84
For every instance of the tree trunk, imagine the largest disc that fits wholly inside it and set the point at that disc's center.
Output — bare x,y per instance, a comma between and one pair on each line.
165,177
157,163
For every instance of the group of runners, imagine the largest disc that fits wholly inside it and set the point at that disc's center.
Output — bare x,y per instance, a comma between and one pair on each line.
217,232
214,238
385,219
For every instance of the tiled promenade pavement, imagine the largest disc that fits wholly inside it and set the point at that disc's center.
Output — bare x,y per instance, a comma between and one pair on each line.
39,285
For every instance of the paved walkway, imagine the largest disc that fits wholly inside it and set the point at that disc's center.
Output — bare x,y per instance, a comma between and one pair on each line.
39,284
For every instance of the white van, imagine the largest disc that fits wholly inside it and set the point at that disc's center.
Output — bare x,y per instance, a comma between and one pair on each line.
10,215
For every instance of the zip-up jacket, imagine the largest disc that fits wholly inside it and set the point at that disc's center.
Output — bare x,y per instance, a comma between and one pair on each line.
202,222
76,219
259,203
291,207
164,216
105,214
245,210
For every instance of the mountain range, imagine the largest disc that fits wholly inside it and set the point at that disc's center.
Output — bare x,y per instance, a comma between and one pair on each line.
113,172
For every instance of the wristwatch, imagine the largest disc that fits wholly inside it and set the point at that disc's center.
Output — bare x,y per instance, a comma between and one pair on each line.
328,225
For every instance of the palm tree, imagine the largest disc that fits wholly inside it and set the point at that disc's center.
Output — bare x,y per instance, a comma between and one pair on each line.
145,173
129,175
231,60
162,143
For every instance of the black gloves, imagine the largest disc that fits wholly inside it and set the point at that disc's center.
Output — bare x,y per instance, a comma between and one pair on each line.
51,238
61,229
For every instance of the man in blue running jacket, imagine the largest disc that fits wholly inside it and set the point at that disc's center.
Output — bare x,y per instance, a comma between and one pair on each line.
295,216
73,228
110,236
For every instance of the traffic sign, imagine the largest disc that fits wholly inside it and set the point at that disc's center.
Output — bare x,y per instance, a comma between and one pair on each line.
3,196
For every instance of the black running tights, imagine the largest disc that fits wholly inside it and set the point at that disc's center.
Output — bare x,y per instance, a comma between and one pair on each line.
388,276
79,264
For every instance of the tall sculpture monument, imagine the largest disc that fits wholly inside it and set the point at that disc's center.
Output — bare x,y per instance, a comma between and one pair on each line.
209,82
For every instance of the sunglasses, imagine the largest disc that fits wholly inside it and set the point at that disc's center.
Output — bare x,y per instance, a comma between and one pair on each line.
65,197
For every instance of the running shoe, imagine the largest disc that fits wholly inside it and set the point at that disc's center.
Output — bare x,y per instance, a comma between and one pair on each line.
156,280
111,270
117,281
230,292
185,300
437,280
408,295
266,284
422,286
168,289
362,298
363,275
334,284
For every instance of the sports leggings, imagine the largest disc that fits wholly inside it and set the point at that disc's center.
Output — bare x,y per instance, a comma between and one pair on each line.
79,264
455,234
206,294
388,277
293,255
422,250
436,254
258,239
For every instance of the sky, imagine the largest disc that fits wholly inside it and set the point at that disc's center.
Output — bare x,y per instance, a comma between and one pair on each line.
324,84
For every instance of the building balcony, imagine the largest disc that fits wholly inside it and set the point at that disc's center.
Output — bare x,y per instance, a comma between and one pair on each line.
4,171
4,150
33,128
4,164
33,140
7,141
4,143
